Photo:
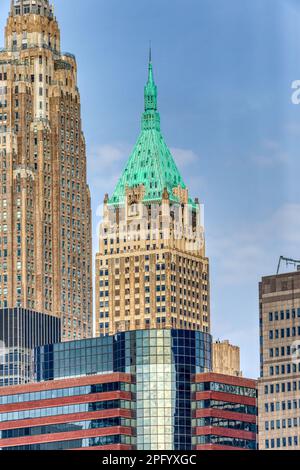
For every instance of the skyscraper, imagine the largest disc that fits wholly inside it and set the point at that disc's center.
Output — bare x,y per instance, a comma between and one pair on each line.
279,385
226,358
151,269
45,214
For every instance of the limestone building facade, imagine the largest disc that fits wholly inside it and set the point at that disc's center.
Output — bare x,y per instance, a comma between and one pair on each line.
279,384
45,213
226,359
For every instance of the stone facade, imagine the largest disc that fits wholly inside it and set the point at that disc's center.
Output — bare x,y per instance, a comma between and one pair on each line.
226,359
45,226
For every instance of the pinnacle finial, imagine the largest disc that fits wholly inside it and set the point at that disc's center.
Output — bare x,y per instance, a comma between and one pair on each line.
150,67
150,117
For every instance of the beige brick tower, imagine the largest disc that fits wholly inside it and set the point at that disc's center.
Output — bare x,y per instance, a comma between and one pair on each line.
279,385
151,269
45,215
226,359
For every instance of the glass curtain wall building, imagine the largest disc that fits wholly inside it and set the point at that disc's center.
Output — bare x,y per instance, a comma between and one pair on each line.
160,366
165,367
21,330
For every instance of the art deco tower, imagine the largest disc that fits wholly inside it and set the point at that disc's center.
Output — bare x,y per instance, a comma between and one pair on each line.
151,269
45,231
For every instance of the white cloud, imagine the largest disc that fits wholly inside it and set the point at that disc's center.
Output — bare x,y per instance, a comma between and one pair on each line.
286,222
265,160
246,253
187,160
270,155
293,128
105,164
238,260
184,157
108,155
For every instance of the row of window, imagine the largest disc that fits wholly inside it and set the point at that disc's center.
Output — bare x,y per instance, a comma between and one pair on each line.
65,392
282,424
223,405
282,406
225,423
65,410
284,333
282,351
284,369
282,387
66,427
224,388
224,441
284,315
292,441
75,444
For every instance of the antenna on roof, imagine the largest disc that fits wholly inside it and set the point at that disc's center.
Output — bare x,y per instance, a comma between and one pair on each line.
294,262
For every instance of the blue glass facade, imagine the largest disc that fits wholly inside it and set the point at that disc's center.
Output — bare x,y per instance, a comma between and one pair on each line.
120,353
166,362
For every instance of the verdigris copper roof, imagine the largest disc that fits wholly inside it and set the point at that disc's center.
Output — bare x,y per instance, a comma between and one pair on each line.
151,163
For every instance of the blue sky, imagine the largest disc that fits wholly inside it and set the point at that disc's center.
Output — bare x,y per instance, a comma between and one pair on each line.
224,70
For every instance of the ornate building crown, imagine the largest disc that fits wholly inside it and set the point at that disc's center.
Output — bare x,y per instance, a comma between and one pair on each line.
151,163
26,7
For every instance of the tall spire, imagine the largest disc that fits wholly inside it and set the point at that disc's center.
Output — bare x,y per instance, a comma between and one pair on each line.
150,119
150,88
151,164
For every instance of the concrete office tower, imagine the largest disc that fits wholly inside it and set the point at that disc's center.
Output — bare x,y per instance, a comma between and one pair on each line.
45,213
279,385
226,359
151,269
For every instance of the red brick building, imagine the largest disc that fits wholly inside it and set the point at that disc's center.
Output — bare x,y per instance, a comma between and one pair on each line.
224,412
98,412
87,412
161,399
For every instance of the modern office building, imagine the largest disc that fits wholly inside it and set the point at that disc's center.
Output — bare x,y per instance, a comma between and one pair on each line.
128,391
224,413
21,331
151,269
279,385
45,214
137,390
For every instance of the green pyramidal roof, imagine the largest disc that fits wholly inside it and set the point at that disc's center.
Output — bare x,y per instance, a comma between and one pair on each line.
151,163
